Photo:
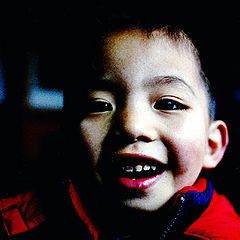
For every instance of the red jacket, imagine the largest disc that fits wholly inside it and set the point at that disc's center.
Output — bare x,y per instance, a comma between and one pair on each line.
216,219
219,221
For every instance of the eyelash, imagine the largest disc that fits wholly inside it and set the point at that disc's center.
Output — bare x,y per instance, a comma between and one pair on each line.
101,106
169,105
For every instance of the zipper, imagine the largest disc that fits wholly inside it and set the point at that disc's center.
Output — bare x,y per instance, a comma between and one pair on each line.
175,220
189,206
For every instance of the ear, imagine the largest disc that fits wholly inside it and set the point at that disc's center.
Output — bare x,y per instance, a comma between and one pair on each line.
217,143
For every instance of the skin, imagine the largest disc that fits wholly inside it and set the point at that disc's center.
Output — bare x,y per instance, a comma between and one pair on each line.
145,73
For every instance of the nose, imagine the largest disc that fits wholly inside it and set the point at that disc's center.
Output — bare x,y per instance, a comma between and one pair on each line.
135,123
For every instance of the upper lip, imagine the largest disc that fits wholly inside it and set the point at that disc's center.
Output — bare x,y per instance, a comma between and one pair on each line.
136,157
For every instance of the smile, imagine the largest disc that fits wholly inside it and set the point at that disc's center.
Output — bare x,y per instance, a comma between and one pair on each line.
138,171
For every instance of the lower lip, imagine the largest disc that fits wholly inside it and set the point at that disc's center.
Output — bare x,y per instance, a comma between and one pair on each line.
140,184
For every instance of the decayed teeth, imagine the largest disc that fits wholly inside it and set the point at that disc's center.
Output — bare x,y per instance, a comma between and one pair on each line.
153,168
139,168
129,168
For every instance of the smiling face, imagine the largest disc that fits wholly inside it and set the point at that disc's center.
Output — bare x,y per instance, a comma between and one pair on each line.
147,126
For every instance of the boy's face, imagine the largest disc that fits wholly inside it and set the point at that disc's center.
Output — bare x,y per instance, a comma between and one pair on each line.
147,124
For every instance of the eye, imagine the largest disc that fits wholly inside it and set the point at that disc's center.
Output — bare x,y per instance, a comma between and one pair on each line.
169,105
99,106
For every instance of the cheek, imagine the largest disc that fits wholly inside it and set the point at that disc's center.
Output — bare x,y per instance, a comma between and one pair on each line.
93,132
188,149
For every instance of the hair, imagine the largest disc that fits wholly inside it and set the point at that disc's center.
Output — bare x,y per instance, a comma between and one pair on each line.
180,39
100,28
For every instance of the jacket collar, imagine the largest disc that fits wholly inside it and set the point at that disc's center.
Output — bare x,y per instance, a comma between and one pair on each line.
188,204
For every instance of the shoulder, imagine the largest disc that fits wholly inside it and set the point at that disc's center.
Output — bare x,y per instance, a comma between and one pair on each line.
27,215
219,221
20,213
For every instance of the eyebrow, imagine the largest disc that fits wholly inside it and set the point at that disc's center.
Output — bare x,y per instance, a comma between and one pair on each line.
167,80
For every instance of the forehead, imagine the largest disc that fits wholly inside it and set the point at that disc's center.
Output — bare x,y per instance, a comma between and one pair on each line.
137,41
132,55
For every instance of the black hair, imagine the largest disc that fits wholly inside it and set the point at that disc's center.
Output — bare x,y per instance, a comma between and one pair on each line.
99,27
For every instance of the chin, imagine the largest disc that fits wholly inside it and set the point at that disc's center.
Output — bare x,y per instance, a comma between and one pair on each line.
147,204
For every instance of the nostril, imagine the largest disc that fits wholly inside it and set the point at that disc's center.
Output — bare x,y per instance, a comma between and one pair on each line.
125,138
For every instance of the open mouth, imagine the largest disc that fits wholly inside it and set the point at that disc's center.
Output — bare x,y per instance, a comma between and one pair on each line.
138,170
135,171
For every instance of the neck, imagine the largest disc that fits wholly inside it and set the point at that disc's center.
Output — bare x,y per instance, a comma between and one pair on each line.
119,220
109,217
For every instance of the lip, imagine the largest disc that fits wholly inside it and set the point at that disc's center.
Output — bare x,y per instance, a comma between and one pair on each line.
142,183
140,156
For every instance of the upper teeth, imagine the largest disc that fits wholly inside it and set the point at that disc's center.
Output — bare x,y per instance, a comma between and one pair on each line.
153,168
139,168
146,167
128,168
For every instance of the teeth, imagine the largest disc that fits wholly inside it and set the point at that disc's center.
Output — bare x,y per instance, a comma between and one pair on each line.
146,167
139,168
128,168
153,168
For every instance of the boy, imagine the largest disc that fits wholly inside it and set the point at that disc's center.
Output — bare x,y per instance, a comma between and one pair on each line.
148,129
145,132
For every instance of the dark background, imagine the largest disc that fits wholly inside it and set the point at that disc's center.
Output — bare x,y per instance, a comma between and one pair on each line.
46,30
